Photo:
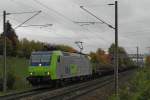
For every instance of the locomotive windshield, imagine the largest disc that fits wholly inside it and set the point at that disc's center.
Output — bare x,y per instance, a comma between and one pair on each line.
40,59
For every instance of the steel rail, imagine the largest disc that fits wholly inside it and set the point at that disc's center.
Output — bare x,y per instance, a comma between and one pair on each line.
74,91
60,93
28,92
68,92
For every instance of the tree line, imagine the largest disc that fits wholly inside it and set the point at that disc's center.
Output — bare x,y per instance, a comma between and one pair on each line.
101,58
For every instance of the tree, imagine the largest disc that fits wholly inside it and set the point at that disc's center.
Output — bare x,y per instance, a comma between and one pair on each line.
8,46
100,60
93,57
147,60
65,48
11,34
124,60
26,47
102,57
12,38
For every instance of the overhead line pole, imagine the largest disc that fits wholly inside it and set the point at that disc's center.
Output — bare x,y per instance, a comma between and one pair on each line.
4,53
137,59
116,49
116,41
5,44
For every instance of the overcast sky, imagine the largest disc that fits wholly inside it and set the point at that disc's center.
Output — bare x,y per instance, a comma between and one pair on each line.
134,22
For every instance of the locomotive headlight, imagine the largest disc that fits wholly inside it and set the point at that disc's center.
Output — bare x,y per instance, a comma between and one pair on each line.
47,73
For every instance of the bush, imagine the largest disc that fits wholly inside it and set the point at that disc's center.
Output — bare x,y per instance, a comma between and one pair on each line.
138,88
1,84
10,80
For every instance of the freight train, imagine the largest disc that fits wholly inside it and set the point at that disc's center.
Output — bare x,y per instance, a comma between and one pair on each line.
58,67
54,67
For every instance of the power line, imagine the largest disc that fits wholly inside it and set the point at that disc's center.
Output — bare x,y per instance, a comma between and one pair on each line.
97,17
81,38
86,22
136,33
44,25
20,25
97,35
55,12
22,12
45,30
50,9
28,19
96,5
38,2
59,14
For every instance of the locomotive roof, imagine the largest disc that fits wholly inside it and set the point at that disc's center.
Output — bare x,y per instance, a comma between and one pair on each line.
41,52
58,52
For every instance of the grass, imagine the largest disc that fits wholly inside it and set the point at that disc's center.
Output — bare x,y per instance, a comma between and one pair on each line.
19,68
137,88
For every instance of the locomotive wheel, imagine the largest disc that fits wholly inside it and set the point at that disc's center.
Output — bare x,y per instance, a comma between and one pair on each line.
61,83
34,83
54,83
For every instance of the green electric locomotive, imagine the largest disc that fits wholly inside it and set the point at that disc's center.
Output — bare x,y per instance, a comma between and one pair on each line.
50,66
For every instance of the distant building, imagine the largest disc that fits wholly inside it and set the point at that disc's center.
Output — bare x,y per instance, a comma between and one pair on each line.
141,59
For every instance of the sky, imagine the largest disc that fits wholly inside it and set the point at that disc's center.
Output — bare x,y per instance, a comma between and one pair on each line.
134,22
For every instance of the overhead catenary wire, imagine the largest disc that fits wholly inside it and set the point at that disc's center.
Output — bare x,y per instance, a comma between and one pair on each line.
57,13
97,17
61,15
34,0
58,34
22,12
50,9
67,38
124,32
38,2
28,19
136,33
44,25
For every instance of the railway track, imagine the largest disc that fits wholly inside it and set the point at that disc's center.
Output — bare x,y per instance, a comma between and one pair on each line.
17,95
70,92
80,90
66,93
53,93
75,91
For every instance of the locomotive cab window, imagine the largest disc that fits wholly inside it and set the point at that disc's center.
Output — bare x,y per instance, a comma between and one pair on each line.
59,59
40,59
